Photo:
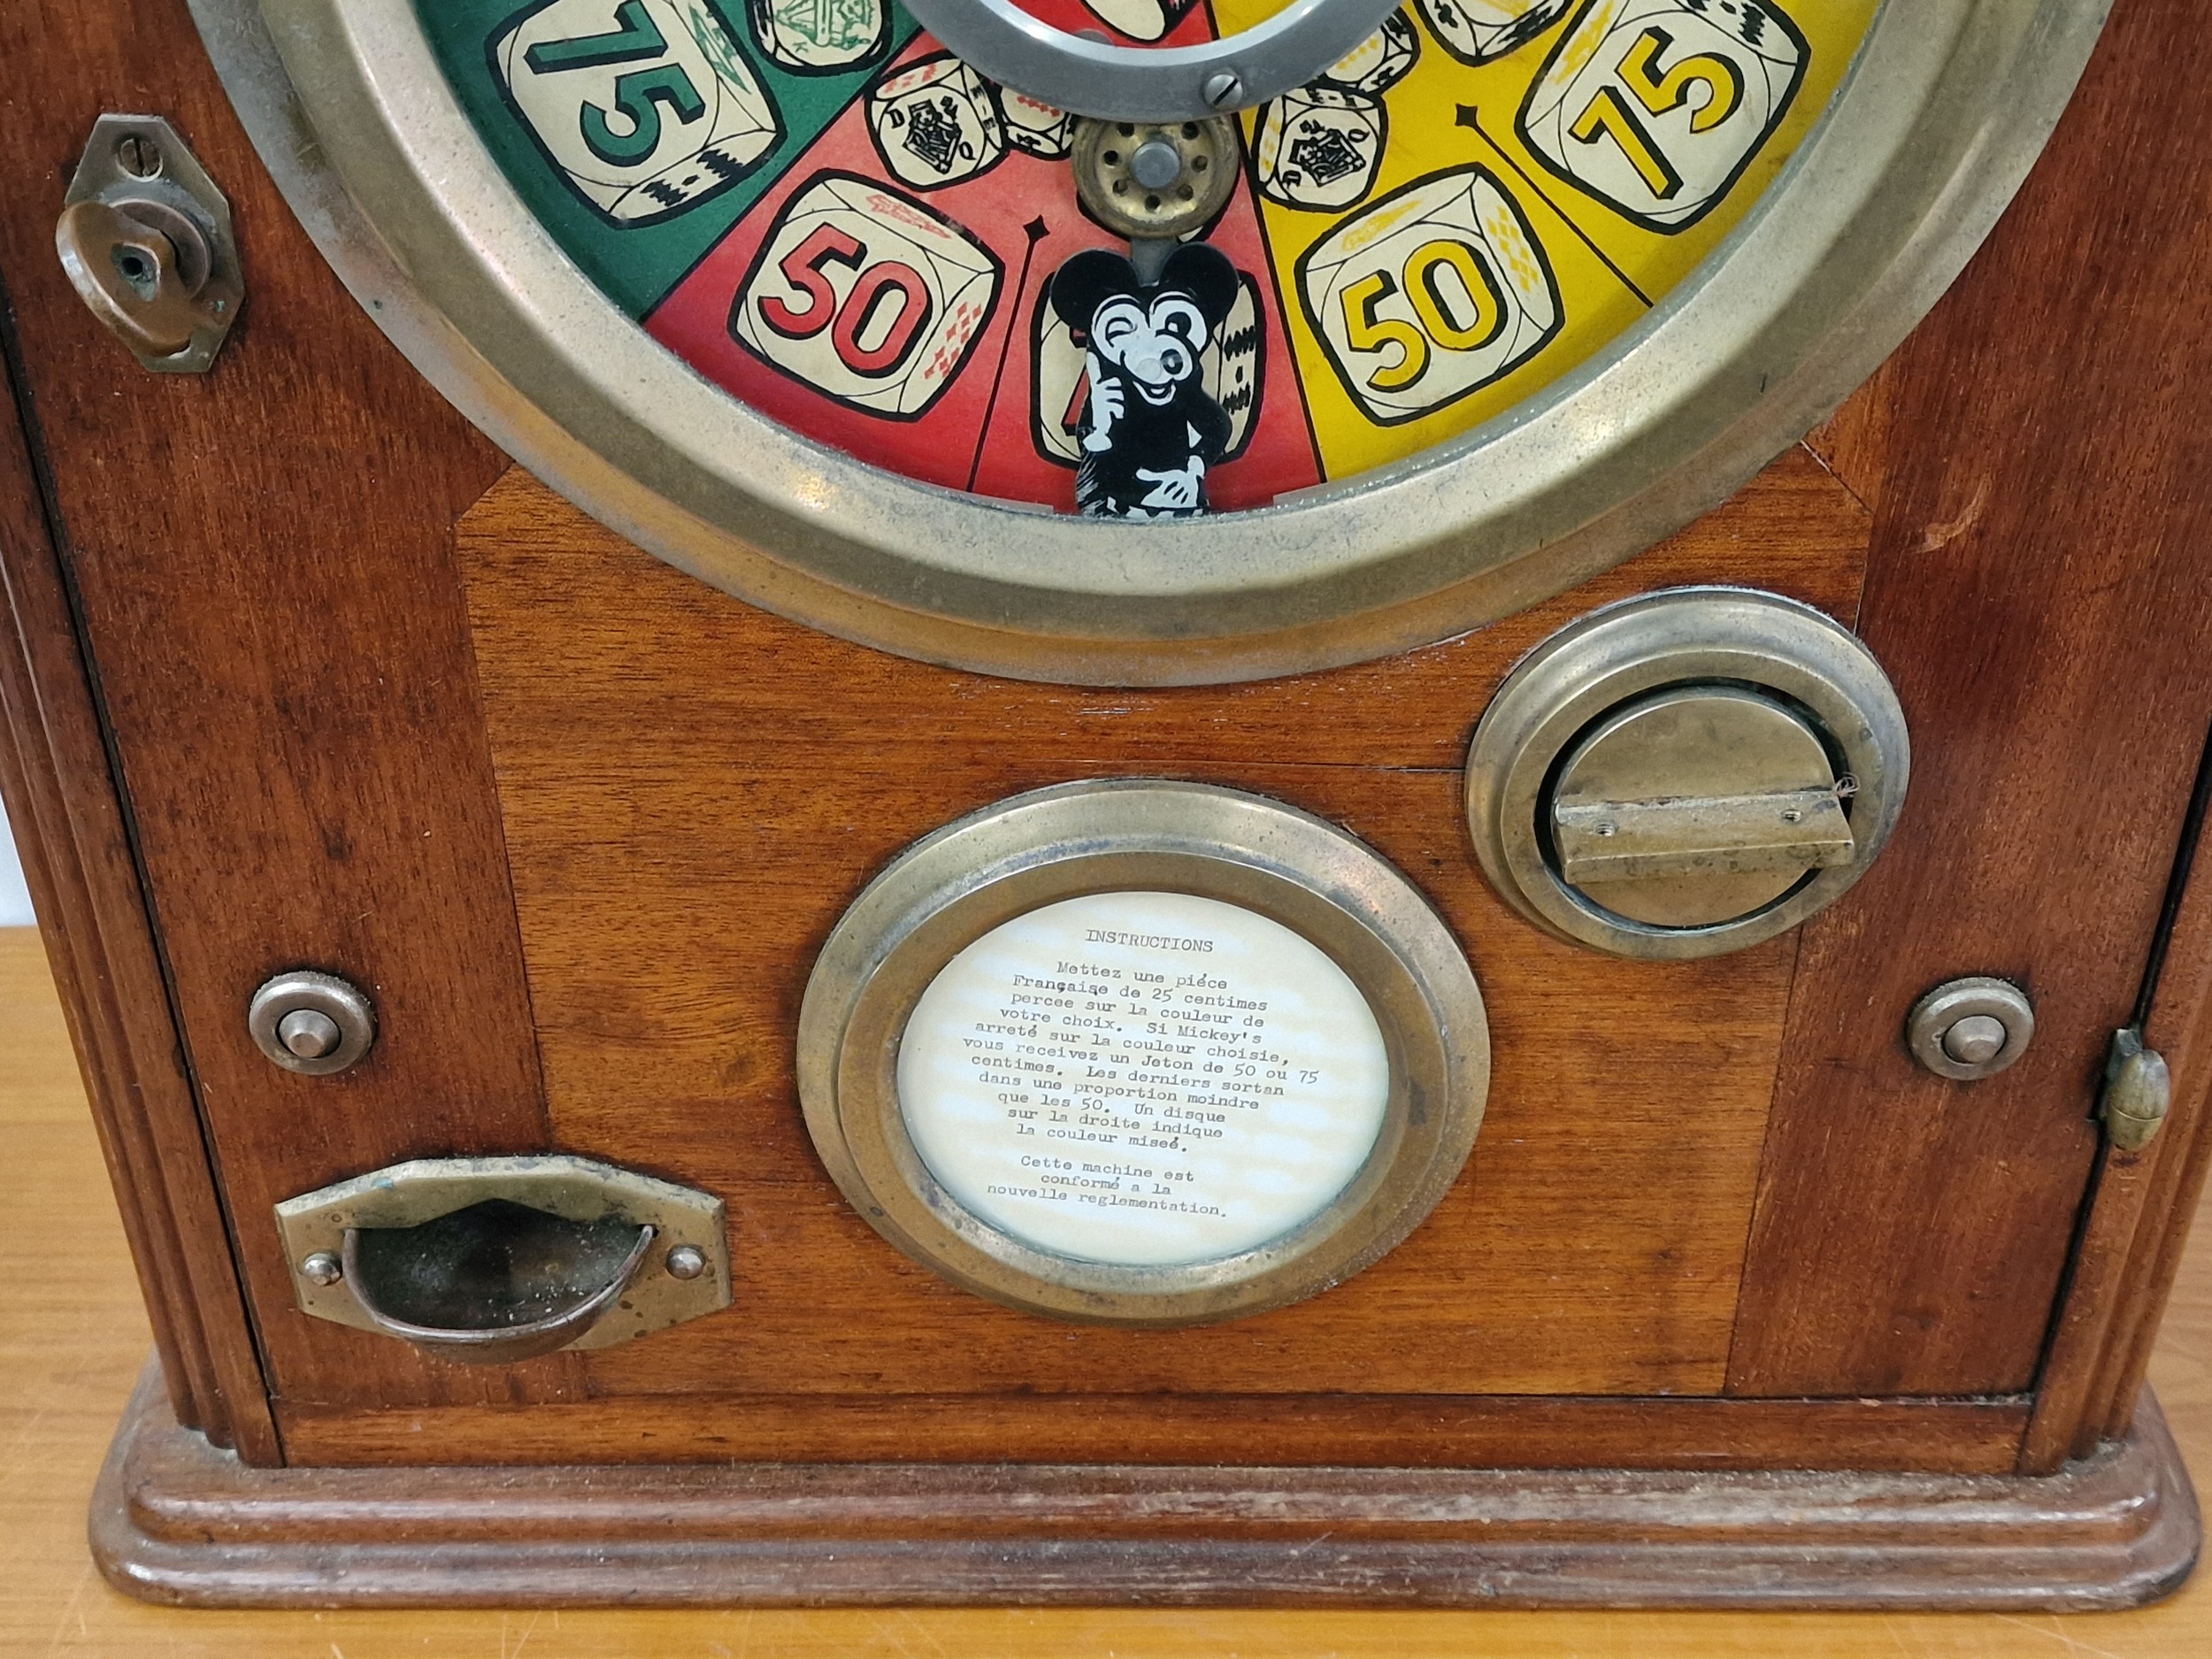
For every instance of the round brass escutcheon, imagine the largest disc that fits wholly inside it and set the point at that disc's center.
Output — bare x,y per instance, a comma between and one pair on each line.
1155,180
1686,773
314,1024
1142,1052
1970,1028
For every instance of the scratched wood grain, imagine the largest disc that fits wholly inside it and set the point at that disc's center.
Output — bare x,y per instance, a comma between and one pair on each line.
73,1335
692,791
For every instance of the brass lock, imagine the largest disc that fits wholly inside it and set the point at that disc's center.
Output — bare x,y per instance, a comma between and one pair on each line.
145,238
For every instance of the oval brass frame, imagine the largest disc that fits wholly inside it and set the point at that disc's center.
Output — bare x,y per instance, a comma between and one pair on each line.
1676,635
953,886
1936,123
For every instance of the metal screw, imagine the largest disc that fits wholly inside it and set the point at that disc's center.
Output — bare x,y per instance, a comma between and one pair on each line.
322,1268
137,156
308,1032
686,1261
1975,1041
1223,88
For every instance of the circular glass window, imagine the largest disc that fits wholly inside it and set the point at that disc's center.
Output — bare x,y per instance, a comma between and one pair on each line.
1146,1078
1142,1053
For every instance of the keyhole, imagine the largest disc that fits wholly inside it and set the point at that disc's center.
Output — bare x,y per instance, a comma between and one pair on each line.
136,267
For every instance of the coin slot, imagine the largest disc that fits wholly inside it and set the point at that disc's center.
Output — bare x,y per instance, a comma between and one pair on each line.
1695,806
1686,773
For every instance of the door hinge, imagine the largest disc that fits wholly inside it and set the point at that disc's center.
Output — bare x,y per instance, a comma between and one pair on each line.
2137,1091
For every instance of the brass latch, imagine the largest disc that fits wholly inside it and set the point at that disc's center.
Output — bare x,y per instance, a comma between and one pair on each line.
1705,835
2137,1091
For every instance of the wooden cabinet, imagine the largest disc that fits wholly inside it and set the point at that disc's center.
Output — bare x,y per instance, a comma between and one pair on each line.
301,671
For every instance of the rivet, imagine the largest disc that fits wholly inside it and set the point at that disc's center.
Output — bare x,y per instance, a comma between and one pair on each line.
308,1032
322,1268
1975,1041
1156,163
686,1261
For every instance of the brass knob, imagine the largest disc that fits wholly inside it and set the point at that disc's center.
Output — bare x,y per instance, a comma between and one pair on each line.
312,1023
1970,1028
131,275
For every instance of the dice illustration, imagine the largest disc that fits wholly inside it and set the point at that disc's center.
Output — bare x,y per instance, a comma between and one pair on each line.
821,37
1477,31
1140,19
1036,127
1430,293
1656,107
866,295
1230,369
1381,61
936,123
647,107
1317,148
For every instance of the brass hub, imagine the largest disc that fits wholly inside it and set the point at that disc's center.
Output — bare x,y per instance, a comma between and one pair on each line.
1122,173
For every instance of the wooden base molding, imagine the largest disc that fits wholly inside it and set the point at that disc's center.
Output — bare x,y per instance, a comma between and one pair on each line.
176,1520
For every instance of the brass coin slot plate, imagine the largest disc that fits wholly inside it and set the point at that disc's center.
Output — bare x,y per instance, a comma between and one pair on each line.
1686,773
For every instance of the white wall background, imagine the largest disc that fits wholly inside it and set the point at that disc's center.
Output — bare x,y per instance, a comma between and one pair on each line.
15,898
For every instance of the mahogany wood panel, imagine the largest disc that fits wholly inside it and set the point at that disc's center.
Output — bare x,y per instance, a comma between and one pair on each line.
70,825
2116,1274
1331,1430
2180,1028
263,560
2038,589
1853,442
72,1342
695,790
174,1522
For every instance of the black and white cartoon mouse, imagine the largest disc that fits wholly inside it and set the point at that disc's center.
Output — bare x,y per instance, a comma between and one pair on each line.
1149,430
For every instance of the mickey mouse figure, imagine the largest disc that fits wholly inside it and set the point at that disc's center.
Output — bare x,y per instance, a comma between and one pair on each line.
1149,430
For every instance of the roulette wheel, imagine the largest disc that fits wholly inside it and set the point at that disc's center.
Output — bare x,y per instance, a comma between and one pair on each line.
1088,800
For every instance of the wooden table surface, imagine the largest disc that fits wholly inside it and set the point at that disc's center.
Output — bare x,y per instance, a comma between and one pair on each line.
72,1338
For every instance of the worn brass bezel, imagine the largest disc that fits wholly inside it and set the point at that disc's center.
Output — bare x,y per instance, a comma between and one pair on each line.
1604,660
1936,123
954,885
